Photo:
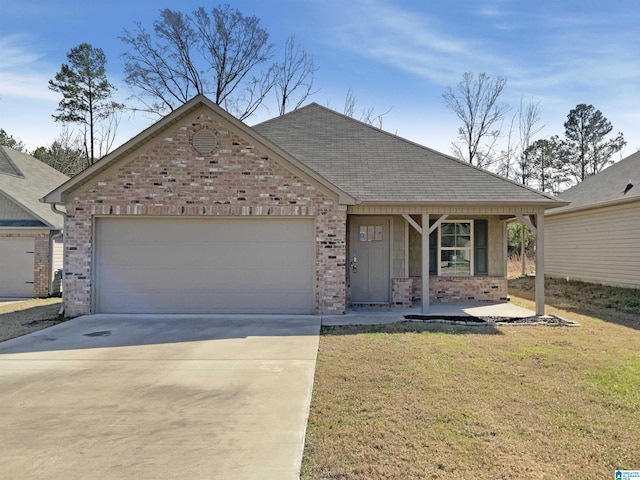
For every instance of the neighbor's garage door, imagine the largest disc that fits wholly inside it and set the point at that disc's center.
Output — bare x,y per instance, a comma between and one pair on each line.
16,267
156,265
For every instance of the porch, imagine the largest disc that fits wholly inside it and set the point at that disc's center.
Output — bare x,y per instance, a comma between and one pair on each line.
389,314
398,256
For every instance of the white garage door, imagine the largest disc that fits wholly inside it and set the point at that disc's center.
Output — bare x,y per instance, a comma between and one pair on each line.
171,265
16,267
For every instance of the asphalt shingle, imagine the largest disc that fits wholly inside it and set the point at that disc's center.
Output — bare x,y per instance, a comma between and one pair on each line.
376,166
25,180
620,181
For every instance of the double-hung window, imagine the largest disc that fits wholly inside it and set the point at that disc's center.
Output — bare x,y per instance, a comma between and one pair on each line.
455,248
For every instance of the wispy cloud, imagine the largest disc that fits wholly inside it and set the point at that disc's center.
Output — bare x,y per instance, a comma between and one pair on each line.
408,40
23,71
546,55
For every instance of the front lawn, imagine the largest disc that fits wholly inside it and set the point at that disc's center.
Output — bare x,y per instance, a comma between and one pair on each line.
525,402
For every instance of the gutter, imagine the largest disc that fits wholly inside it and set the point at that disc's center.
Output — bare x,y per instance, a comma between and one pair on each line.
591,206
61,234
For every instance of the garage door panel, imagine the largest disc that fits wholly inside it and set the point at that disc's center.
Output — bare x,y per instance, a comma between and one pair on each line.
16,267
204,265
203,253
201,278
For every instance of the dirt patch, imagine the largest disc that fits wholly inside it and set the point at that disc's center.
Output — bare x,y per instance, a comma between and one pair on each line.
20,318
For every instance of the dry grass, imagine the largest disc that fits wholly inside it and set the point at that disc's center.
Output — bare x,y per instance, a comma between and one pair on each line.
414,401
20,318
514,265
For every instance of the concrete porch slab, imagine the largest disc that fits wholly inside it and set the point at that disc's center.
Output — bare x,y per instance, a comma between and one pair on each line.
376,316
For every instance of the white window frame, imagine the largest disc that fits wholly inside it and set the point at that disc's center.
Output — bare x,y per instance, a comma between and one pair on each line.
470,248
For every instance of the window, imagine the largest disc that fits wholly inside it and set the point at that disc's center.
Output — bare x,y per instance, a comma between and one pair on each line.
455,248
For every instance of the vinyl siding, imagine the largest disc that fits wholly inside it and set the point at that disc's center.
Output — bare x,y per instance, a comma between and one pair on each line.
9,210
599,245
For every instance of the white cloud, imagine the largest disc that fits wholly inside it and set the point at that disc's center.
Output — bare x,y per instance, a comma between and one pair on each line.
23,72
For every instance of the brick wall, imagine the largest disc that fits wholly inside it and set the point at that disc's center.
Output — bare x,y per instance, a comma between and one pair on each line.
170,178
463,289
401,291
41,263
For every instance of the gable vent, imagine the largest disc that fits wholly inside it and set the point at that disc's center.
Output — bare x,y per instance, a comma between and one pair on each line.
205,141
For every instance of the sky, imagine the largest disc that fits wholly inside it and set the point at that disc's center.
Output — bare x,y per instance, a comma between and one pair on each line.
395,56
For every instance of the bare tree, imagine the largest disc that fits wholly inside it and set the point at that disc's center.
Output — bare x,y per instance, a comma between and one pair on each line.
106,133
294,77
350,101
514,161
528,126
217,53
367,115
508,156
475,101
66,154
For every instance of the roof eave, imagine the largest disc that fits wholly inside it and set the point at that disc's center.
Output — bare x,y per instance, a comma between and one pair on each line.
548,204
591,206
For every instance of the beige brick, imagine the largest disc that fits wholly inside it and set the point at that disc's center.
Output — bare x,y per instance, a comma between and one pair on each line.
166,178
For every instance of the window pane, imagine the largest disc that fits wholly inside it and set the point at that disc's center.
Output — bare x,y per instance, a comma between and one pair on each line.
448,241
463,229
448,228
455,262
462,242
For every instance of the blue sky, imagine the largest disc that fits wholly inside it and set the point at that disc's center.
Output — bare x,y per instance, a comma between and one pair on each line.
399,55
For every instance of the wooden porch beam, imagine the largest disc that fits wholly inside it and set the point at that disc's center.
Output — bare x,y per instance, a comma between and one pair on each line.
526,221
413,223
539,283
437,223
425,264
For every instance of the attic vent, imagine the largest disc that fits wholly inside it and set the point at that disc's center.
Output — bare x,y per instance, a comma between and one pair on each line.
204,141
628,187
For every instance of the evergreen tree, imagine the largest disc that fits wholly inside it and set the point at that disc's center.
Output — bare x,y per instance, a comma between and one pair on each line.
587,149
86,93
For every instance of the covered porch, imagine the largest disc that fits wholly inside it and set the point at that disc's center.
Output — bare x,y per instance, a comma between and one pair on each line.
466,260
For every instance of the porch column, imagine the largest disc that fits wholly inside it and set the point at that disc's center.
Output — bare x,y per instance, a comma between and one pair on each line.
425,263
539,285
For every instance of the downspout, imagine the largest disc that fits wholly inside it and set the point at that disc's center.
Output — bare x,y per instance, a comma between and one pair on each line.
64,215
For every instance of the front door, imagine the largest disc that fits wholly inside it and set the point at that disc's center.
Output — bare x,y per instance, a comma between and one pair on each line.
369,259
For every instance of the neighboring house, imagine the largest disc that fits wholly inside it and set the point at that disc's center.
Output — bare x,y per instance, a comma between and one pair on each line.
309,212
30,232
597,237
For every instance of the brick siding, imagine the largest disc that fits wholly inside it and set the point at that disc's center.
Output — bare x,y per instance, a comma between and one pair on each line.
462,289
170,178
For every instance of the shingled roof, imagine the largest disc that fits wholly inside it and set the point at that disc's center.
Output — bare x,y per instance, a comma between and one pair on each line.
376,166
616,184
25,179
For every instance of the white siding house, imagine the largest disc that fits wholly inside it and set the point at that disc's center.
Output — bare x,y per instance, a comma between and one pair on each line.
597,237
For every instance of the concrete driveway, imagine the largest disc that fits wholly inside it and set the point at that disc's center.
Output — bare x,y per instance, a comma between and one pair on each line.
158,397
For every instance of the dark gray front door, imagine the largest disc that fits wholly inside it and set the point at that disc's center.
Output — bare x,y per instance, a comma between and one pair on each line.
369,259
